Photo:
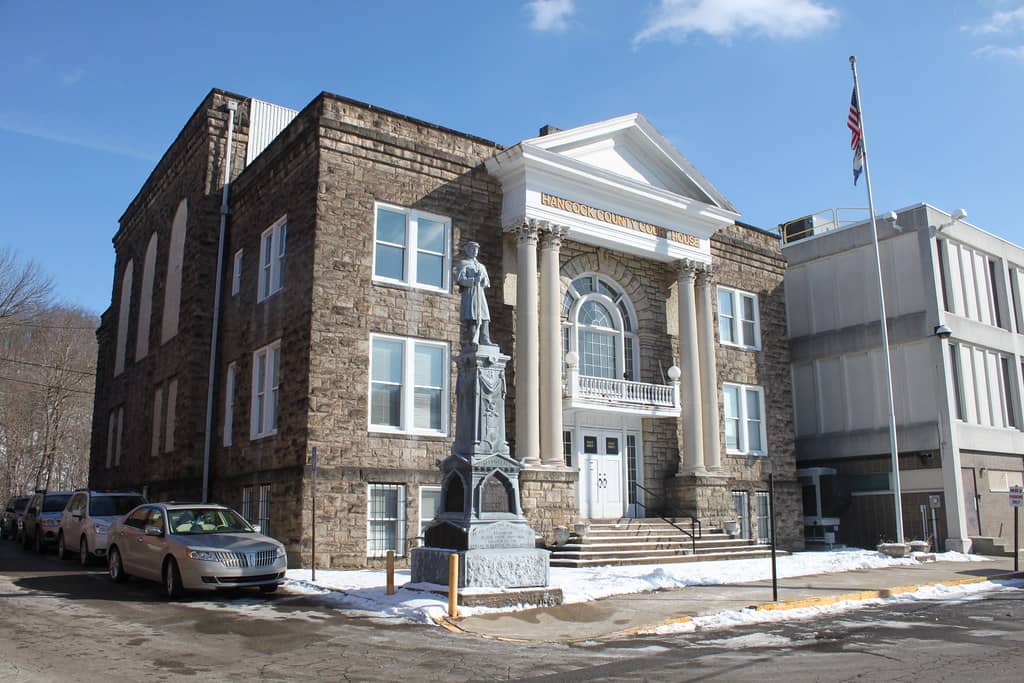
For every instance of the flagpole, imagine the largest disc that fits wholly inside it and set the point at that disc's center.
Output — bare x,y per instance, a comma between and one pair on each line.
893,447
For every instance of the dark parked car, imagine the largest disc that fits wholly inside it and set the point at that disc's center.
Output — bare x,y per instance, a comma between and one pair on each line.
42,519
10,522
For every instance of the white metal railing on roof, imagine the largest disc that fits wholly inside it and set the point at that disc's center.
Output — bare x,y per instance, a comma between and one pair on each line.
820,223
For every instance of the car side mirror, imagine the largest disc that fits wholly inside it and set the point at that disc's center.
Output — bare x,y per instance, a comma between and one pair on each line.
154,531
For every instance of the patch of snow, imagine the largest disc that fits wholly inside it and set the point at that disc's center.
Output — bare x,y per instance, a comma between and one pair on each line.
363,590
751,640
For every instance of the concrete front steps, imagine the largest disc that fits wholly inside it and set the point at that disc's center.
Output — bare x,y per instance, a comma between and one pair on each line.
651,541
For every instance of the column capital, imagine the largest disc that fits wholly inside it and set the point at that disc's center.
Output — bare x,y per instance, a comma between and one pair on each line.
527,231
704,275
551,237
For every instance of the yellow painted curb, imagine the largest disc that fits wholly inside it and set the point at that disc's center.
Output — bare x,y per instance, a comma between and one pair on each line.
866,595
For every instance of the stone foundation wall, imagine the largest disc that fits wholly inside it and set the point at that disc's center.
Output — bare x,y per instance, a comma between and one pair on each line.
549,499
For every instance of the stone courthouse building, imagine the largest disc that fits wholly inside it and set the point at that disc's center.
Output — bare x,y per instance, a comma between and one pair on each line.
312,251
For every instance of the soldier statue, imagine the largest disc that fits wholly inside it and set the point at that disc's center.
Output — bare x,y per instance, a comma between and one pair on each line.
471,275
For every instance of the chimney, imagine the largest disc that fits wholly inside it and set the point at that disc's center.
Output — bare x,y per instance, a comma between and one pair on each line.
548,130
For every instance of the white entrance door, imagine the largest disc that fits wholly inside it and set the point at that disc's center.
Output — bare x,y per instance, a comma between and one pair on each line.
601,475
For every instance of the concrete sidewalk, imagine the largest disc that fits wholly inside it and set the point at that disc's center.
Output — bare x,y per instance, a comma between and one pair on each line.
626,614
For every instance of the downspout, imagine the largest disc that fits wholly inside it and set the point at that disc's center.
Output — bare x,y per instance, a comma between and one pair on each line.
215,332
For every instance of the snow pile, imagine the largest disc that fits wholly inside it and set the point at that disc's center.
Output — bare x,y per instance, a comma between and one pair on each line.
363,590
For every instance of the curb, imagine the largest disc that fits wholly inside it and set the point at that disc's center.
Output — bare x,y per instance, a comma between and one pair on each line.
797,603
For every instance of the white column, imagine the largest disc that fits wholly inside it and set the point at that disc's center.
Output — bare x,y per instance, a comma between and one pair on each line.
550,349
527,352
708,371
692,460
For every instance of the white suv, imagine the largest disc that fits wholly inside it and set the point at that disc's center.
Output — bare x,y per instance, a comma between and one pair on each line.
84,522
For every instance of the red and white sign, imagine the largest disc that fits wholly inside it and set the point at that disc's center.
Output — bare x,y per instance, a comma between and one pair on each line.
1017,496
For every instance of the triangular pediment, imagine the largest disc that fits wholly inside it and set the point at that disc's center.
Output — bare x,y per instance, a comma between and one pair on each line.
630,147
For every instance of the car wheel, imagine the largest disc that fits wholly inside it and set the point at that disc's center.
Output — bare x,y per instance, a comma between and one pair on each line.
62,551
270,588
37,544
83,552
172,580
115,567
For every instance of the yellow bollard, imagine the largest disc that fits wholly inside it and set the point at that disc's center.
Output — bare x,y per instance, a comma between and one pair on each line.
453,585
391,572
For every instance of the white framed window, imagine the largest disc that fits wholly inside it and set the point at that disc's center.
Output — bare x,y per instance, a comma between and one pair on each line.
266,378
601,327
272,250
236,274
764,517
385,520
247,503
229,403
411,247
408,385
430,506
744,419
738,318
264,512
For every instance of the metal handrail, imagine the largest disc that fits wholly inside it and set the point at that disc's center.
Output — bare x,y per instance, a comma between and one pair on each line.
821,222
695,532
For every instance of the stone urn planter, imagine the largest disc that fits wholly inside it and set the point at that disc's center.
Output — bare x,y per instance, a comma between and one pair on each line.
894,549
731,527
561,534
580,529
920,546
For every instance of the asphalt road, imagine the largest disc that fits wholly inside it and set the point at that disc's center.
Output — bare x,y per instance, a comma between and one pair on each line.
61,623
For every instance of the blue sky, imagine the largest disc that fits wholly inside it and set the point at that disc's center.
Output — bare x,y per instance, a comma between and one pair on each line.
754,92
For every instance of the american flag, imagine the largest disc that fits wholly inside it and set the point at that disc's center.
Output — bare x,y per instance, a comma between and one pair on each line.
856,136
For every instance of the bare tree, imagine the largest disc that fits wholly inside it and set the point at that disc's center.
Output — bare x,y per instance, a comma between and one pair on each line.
47,380
24,287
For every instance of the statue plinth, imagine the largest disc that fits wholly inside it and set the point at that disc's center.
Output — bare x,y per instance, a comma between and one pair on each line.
481,518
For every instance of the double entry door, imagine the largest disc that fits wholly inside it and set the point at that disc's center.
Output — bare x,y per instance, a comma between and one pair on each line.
601,467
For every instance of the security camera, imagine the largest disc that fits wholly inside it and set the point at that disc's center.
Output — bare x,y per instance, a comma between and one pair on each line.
959,214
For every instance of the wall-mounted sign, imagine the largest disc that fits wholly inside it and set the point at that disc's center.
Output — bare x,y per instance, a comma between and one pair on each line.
612,218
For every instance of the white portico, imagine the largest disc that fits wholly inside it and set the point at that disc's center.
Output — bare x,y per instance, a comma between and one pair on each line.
621,186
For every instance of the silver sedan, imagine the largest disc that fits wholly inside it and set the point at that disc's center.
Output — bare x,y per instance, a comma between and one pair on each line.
193,547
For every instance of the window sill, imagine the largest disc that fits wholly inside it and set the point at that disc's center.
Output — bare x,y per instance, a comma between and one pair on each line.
377,430
401,284
268,296
739,347
257,437
744,454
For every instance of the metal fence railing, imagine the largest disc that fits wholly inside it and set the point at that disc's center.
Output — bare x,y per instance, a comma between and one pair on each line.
820,223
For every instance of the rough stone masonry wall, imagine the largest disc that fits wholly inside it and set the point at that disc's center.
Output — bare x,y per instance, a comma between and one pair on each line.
280,183
749,259
191,169
369,155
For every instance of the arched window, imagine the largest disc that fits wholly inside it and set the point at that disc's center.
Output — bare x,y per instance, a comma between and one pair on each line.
146,300
601,327
175,263
122,318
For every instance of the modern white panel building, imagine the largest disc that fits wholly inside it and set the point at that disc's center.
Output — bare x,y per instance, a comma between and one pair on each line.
956,332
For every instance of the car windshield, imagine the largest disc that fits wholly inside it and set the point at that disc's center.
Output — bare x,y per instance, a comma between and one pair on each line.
194,521
55,503
20,504
110,506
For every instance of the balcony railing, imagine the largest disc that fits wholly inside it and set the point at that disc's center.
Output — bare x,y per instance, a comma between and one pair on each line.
621,395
